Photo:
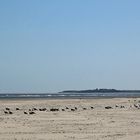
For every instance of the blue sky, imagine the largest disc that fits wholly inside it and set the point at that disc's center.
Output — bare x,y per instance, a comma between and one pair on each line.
49,46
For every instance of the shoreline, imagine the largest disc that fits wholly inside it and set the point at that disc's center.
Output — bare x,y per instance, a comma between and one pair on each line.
66,98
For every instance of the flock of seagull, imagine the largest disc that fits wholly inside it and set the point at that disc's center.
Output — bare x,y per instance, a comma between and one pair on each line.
33,110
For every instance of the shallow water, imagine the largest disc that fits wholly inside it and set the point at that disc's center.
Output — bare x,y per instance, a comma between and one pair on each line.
70,95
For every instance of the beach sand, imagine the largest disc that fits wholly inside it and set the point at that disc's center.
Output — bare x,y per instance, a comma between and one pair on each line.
84,119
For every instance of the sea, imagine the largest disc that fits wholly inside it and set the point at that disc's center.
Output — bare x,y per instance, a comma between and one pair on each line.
68,95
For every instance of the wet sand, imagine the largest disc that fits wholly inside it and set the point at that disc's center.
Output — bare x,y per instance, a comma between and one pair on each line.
70,119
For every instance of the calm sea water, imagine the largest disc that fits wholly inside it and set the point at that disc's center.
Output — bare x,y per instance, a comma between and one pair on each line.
69,95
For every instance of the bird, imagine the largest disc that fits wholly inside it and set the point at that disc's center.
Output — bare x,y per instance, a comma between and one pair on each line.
122,106
31,112
5,112
75,108
108,107
25,112
42,109
72,109
54,109
34,109
7,108
10,112
17,108
136,106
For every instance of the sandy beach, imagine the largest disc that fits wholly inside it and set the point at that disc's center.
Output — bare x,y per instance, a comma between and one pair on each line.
68,119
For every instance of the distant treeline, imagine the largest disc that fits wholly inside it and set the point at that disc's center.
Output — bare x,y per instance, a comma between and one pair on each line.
100,91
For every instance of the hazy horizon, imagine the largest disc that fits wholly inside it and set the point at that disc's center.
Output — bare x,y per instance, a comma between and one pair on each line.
51,46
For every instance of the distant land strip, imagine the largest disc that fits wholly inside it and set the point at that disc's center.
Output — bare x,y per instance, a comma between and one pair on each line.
100,91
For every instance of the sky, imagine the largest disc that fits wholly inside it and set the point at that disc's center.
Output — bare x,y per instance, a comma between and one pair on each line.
55,45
